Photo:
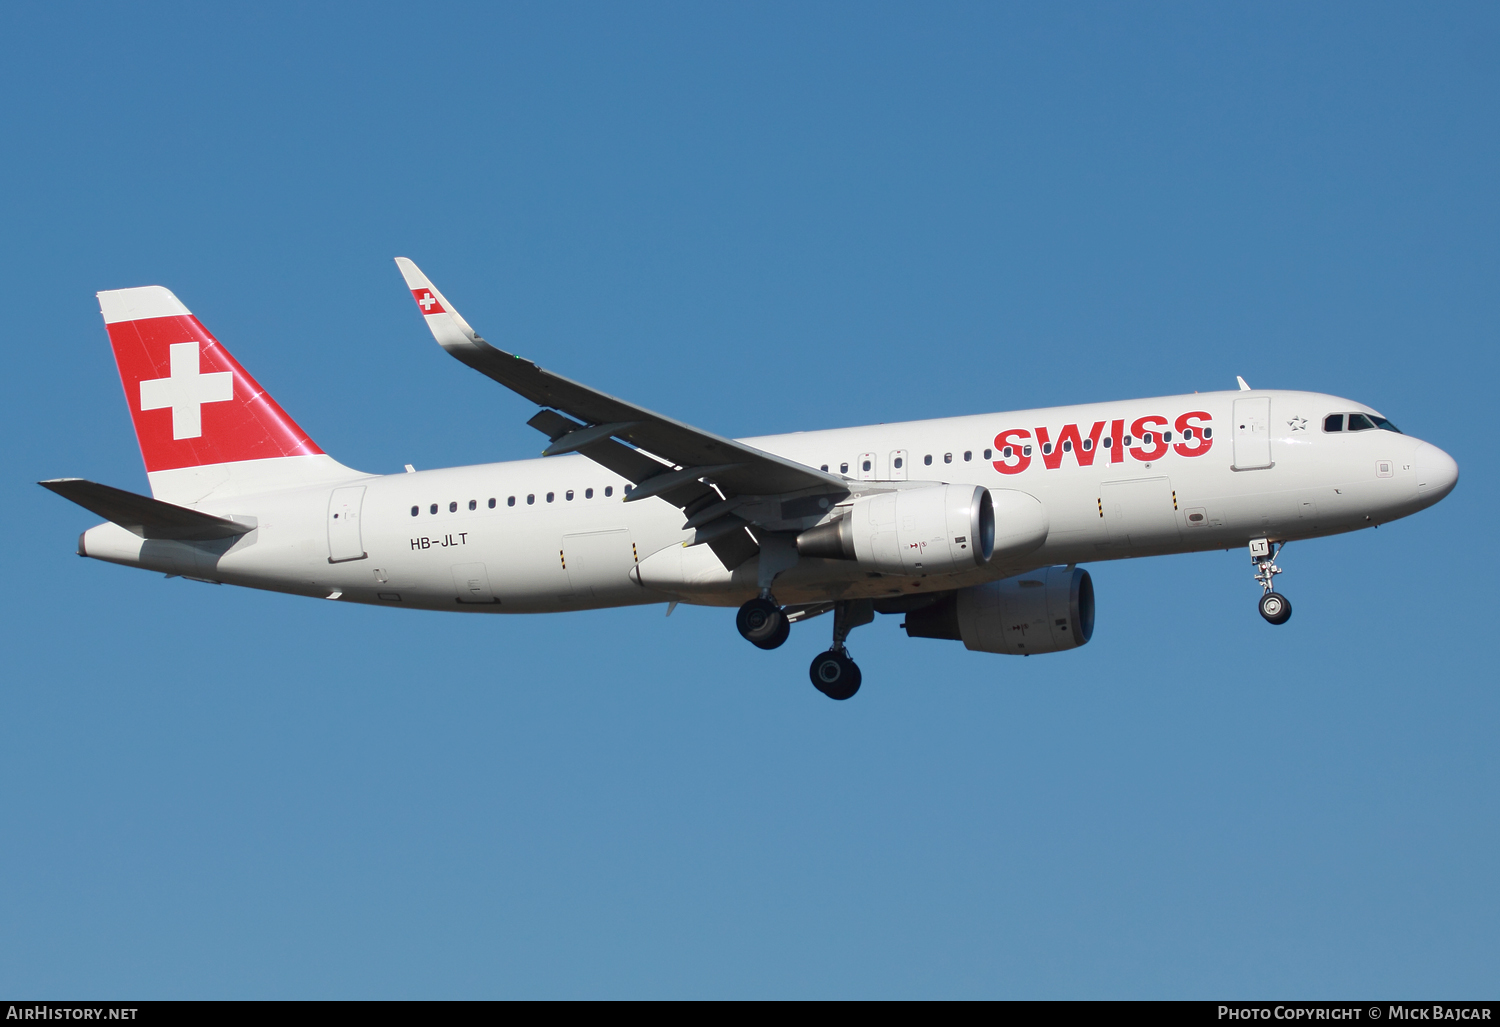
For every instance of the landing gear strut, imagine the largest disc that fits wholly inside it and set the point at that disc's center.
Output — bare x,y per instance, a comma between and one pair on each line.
1274,606
763,623
833,673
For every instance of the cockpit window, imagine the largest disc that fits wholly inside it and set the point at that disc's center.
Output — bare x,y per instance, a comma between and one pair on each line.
1358,422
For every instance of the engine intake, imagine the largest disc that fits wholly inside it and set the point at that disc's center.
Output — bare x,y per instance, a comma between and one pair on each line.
1045,611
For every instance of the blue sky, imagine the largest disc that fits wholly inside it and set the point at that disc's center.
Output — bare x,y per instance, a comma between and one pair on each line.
757,218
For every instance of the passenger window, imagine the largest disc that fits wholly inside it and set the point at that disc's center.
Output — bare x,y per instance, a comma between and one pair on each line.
474,504
1067,445
927,460
1047,448
1187,435
843,468
1025,450
1333,422
1146,438
1359,422
968,455
492,502
569,495
510,501
531,499
1006,452
947,458
898,463
1108,442
609,490
588,493
865,465
1208,433
414,511
434,508
1128,441
1088,444
1166,436
988,453
551,496
453,508
823,468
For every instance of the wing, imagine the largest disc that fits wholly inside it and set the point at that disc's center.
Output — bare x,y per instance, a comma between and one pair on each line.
742,469
670,459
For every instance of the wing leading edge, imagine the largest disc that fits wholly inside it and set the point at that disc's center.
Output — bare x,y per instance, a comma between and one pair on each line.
670,459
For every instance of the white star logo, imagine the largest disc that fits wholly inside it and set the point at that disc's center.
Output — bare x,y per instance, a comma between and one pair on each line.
1297,424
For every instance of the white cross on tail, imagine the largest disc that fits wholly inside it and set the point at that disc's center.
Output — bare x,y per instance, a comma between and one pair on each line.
186,391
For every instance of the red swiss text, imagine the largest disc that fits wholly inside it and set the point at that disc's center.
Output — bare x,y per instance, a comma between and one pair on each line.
1145,439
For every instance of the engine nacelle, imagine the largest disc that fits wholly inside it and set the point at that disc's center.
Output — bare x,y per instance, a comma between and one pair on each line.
1045,611
905,532
938,529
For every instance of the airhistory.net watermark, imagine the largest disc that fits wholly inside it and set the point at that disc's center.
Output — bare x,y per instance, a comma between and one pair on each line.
69,1011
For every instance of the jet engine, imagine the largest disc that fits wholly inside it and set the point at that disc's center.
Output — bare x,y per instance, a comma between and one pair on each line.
1045,611
936,529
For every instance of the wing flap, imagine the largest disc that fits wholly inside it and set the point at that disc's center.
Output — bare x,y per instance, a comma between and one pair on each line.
630,464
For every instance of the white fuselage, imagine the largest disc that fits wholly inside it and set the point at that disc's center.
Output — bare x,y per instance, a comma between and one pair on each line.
555,534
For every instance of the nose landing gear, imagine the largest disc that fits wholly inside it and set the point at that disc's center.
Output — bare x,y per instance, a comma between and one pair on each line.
1274,606
763,623
833,673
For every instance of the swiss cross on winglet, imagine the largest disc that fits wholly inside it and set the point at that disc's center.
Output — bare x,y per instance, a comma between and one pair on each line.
427,301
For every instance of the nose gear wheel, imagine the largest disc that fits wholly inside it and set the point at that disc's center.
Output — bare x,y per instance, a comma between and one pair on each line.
1275,608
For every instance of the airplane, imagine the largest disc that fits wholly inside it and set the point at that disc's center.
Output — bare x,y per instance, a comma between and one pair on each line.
972,528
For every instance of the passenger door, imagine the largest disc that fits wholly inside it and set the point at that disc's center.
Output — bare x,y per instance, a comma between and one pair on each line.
898,465
1252,433
344,540
868,470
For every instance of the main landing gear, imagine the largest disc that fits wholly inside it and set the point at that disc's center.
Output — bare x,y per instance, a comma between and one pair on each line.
766,624
763,623
833,673
1274,606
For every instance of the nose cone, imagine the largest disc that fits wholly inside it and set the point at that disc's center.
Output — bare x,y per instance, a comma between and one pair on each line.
1437,473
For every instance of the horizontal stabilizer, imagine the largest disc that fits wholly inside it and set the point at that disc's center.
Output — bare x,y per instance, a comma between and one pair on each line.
143,516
